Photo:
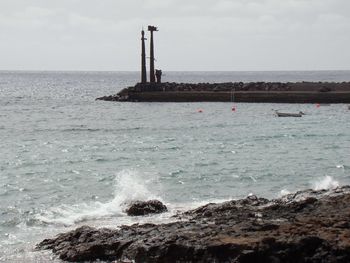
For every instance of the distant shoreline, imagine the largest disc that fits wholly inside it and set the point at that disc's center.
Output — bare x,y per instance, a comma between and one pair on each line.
252,92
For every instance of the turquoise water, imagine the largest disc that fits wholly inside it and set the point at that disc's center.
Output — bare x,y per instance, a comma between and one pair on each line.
68,160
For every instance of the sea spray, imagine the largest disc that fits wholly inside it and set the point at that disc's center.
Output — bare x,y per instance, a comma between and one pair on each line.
130,185
283,192
326,183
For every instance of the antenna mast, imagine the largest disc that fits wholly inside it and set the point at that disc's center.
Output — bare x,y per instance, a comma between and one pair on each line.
151,69
143,59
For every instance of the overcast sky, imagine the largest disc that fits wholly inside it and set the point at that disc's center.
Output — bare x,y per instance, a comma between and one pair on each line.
193,34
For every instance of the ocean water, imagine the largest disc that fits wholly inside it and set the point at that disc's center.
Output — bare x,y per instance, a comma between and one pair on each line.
67,160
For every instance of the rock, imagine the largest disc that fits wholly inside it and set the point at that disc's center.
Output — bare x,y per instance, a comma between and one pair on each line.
306,227
141,208
110,98
325,89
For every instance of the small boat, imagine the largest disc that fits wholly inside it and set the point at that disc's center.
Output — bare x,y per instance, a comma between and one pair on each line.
283,114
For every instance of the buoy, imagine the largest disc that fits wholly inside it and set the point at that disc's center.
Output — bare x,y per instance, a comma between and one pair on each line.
318,105
233,108
200,110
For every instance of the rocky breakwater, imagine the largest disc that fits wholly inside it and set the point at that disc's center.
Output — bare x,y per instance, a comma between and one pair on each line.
301,92
308,226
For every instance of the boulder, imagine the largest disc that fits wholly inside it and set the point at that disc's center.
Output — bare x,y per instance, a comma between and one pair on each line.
141,208
325,89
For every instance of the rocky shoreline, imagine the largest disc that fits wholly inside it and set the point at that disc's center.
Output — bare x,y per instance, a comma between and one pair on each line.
271,92
308,226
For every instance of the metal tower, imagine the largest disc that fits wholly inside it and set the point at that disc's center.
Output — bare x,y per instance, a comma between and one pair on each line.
152,75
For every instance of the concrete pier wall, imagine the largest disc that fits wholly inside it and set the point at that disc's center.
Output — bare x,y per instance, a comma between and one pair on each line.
253,97
255,92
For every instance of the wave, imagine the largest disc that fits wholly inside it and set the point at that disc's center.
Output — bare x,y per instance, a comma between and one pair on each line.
77,130
343,166
283,192
326,183
129,186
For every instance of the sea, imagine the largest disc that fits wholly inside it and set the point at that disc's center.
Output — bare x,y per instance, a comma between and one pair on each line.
67,160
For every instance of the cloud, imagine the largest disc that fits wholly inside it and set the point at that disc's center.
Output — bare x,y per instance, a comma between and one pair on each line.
194,35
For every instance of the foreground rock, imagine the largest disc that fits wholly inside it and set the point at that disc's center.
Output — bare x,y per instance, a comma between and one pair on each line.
141,208
309,226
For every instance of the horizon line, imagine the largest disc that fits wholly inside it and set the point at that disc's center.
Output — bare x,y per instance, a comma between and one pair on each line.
138,71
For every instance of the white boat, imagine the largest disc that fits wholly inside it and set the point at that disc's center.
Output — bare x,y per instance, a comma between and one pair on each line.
284,114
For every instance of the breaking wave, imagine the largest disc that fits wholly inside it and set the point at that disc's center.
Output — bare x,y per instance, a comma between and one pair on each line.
283,192
326,182
129,186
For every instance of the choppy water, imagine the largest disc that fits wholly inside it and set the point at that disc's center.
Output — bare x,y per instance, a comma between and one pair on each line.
67,160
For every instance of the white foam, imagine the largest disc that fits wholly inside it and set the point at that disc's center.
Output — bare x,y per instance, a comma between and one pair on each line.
284,192
326,182
129,186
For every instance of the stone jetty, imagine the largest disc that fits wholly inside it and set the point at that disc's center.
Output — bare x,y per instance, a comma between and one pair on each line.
307,226
268,92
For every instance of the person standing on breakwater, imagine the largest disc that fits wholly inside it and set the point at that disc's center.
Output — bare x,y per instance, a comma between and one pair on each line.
159,75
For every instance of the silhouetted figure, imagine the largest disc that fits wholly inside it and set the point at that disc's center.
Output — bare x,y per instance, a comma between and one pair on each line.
159,75
151,69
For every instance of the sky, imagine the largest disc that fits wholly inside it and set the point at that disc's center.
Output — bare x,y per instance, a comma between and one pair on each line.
194,35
